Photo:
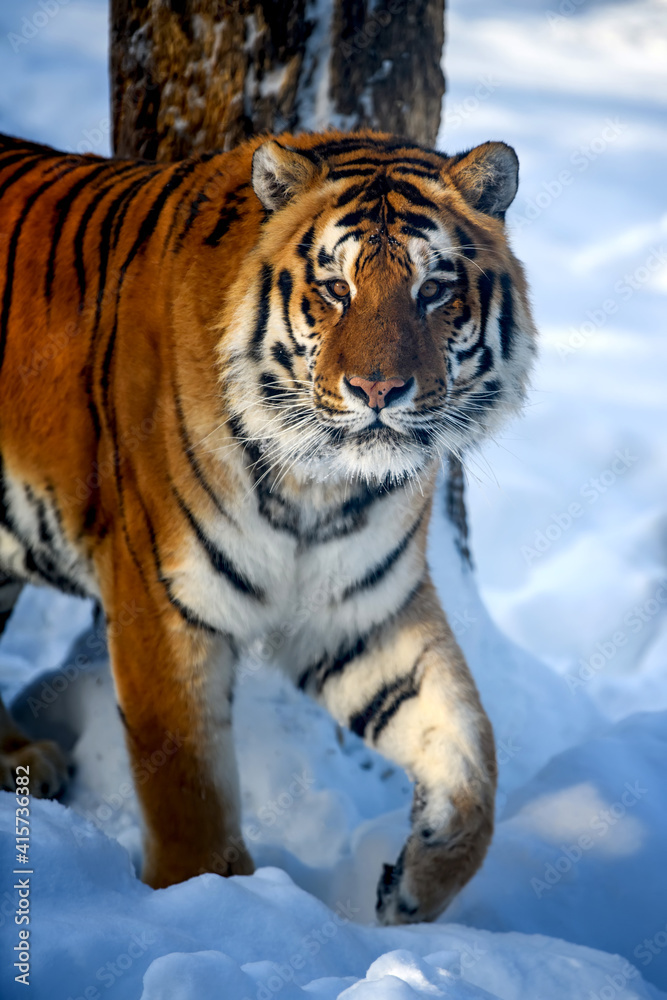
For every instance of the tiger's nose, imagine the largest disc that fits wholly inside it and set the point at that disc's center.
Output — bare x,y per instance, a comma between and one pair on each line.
378,393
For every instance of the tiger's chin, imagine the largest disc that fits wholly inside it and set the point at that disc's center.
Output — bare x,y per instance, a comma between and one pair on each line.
375,456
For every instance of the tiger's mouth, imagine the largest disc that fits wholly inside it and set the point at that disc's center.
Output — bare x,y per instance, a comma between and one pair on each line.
376,450
380,433
383,428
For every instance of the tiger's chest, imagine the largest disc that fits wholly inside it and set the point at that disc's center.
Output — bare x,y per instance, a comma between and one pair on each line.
295,569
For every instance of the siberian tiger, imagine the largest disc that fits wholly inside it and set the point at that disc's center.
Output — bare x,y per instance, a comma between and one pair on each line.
225,381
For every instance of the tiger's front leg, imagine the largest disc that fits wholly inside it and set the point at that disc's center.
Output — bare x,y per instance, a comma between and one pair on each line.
407,690
174,687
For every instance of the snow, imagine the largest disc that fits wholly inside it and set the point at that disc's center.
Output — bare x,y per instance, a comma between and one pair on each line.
564,622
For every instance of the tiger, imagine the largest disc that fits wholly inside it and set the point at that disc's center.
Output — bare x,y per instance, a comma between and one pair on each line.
228,383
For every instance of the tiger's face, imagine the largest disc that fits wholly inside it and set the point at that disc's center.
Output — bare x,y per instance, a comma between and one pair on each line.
388,321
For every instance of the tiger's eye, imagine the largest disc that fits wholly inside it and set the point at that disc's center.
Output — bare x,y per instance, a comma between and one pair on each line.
429,289
339,289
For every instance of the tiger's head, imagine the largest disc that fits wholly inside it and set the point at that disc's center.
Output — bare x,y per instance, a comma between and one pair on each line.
381,319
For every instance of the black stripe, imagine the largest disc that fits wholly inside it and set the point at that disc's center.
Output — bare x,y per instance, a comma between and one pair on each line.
4,502
11,142
104,246
152,217
227,217
372,147
506,321
305,309
187,614
484,362
38,563
280,354
332,665
12,251
43,566
411,690
272,390
465,245
429,173
375,575
195,207
190,455
351,219
485,284
263,307
441,263
341,173
328,666
382,708
351,234
285,286
349,195
25,168
417,221
62,209
9,156
80,236
131,191
304,250
45,534
412,193
324,258
111,230
146,229
360,720
220,562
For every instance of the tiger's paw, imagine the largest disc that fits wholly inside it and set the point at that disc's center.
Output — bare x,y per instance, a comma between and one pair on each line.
435,863
43,762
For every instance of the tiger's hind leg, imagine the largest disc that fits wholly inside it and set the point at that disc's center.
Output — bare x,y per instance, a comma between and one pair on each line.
43,762
406,689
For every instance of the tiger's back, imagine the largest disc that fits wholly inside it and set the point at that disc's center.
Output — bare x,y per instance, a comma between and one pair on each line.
227,385
73,262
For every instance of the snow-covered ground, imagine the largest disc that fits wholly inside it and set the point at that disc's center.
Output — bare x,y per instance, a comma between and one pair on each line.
569,534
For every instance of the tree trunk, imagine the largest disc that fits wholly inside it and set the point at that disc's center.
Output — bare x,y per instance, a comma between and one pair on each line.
189,76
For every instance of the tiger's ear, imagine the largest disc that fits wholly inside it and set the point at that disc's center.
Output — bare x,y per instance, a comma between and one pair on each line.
279,174
487,177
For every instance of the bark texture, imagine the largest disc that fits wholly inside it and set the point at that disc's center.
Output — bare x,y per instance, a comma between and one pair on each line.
190,76
194,75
